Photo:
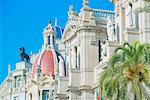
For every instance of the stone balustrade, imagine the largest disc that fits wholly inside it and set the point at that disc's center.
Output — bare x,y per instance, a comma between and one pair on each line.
103,13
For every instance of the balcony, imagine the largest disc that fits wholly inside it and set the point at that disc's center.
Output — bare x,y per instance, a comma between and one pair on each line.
103,13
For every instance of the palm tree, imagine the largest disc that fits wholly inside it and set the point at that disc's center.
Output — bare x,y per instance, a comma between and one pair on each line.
127,76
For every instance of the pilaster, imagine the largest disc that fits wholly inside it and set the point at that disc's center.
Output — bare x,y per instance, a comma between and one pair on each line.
74,77
87,92
62,81
110,49
122,23
89,59
74,84
144,22
41,92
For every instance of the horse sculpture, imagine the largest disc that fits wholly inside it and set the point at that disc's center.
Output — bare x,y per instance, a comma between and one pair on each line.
23,55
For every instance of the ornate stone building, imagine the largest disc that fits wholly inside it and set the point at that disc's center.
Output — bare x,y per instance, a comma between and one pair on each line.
71,60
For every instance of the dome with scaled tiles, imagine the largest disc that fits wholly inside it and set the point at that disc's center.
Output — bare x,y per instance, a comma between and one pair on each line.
49,61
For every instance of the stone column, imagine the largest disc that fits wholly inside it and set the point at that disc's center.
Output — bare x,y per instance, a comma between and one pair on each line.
122,24
41,94
35,92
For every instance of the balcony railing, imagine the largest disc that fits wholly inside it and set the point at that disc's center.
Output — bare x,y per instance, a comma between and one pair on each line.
103,13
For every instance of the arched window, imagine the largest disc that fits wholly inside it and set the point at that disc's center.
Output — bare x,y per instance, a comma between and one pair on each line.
75,50
56,46
49,40
53,40
45,95
79,60
18,81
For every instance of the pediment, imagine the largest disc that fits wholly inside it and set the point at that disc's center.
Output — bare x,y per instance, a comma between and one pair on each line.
70,28
46,80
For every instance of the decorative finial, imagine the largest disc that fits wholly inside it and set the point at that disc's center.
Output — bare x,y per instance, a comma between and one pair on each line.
31,52
50,21
49,26
85,2
37,73
39,50
9,69
71,8
56,22
70,13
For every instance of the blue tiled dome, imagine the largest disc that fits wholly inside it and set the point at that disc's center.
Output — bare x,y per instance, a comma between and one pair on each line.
59,31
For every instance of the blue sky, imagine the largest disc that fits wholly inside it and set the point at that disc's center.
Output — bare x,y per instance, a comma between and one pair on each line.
22,23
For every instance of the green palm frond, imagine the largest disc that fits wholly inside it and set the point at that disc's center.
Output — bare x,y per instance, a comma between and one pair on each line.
114,60
129,64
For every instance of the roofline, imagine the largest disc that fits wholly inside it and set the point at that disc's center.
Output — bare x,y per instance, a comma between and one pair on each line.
4,81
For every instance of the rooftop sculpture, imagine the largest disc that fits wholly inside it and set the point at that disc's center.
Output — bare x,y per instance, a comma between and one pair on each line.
23,55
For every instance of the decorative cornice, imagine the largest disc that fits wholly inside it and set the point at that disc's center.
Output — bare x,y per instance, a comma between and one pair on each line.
61,96
86,29
132,31
74,70
87,88
96,85
73,89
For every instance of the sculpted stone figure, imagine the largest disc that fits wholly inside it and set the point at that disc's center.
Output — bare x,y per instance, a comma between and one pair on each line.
85,2
130,15
104,50
23,55
61,66
70,13
110,31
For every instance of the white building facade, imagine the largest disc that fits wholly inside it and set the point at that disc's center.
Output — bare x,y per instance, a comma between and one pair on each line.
71,60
